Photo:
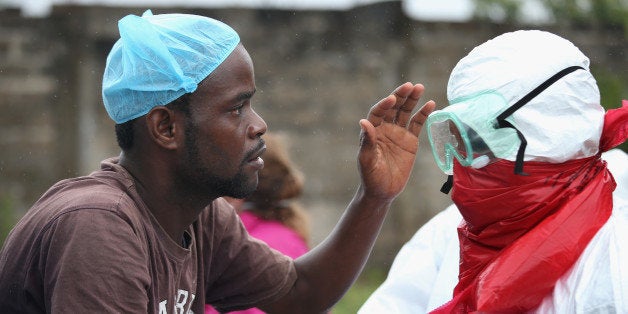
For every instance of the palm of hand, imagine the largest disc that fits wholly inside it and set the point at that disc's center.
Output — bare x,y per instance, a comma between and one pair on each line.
389,141
388,166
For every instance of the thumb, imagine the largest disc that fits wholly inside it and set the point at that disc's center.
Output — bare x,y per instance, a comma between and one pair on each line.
367,134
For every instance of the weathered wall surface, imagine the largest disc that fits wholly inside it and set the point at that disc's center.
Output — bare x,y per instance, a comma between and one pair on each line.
317,73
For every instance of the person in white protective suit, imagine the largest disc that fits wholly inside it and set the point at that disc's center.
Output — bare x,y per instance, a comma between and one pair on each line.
539,222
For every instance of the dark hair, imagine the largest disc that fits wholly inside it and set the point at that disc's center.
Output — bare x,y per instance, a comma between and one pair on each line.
124,134
124,131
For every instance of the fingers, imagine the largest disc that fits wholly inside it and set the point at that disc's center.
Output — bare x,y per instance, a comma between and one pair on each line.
418,119
401,94
398,106
381,111
406,107
378,112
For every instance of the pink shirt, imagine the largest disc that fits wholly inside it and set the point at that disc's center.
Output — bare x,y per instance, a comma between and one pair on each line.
275,234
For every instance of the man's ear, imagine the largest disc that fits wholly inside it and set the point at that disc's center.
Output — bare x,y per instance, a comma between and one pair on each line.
163,127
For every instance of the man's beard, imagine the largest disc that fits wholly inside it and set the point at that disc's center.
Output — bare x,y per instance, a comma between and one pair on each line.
200,180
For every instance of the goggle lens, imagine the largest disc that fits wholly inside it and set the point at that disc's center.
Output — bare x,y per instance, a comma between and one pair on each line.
448,142
450,138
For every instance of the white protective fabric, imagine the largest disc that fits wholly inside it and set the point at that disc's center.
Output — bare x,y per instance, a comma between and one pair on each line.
566,115
425,271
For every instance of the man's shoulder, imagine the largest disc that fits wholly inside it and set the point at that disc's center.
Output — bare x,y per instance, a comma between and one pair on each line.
81,195
87,190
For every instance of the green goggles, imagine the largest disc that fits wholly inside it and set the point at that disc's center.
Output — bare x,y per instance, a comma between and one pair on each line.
465,131
478,130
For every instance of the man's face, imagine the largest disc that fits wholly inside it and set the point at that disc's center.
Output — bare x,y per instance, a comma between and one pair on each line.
223,132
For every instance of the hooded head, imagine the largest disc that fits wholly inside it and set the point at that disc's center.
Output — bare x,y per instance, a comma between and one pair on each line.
541,89
159,58
564,121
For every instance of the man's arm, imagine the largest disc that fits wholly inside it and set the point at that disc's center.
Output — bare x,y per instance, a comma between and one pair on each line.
388,146
424,272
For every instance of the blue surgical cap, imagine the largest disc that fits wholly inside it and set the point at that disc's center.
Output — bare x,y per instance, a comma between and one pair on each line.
159,58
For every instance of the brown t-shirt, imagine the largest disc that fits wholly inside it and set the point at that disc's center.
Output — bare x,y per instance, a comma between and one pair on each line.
91,245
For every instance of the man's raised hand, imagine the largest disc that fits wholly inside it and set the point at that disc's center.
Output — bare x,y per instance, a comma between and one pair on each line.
389,141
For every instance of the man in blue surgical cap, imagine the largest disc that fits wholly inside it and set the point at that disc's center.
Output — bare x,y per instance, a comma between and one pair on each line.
149,231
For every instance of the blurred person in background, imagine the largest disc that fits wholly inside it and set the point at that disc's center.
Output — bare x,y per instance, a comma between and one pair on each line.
540,215
272,212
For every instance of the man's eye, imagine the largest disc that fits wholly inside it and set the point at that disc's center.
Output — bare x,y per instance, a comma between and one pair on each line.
237,110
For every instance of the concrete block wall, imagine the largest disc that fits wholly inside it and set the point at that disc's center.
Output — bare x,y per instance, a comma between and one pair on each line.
27,92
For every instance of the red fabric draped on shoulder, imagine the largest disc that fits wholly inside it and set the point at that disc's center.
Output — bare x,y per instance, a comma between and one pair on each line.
615,129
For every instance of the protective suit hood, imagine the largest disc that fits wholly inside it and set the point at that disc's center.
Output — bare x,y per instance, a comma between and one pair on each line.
562,123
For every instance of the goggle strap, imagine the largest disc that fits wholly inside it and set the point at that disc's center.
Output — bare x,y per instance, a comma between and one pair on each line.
535,92
501,119
448,184
520,152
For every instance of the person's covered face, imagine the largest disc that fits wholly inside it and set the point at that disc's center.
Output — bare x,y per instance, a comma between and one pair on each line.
223,133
